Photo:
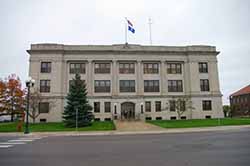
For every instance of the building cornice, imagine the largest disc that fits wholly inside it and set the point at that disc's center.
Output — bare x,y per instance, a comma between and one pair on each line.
122,49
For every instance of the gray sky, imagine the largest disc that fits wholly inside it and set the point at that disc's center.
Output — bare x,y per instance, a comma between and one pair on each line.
223,23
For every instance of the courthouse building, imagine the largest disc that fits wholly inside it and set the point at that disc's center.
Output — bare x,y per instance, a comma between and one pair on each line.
127,81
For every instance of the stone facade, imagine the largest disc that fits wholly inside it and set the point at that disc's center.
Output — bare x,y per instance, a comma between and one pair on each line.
188,57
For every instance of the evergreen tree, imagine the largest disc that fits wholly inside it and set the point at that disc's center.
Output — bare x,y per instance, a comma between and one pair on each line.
77,99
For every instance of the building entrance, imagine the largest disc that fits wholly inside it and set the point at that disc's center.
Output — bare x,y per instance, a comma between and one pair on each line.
127,111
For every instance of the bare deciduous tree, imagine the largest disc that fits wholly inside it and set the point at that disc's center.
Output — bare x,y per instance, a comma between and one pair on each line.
35,99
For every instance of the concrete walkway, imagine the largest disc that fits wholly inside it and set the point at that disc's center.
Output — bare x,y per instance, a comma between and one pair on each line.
135,126
134,132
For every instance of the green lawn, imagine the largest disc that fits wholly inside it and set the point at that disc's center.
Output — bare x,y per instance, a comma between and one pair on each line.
49,127
200,122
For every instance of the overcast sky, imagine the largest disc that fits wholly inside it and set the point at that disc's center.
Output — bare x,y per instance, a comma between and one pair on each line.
222,23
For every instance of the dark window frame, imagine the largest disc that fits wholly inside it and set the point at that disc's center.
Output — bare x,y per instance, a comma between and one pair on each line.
206,105
97,107
203,67
151,68
175,86
107,107
204,85
43,107
79,68
124,88
126,68
45,86
174,68
157,106
45,67
147,106
151,86
102,86
102,68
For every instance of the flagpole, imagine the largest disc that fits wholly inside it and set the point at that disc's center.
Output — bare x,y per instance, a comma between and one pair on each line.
150,35
126,31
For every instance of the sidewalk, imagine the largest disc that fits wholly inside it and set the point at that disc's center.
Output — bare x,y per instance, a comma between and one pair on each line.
116,132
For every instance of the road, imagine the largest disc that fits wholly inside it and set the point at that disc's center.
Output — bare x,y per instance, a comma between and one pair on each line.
223,148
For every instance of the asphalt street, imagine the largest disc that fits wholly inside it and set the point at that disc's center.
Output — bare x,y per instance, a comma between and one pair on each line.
222,148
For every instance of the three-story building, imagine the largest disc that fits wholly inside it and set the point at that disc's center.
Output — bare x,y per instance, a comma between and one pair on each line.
128,81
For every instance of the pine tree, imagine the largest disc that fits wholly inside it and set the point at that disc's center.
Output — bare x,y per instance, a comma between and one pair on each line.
77,99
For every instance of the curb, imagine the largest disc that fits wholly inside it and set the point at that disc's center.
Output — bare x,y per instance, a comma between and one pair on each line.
102,133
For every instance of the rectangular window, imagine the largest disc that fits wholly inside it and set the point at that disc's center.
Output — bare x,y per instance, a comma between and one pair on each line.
203,67
45,86
182,105
127,85
148,118
207,105
173,118
107,107
175,86
102,68
43,107
151,68
157,106
126,68
172,105
96,107
151,86
102,86
208,117
77,68
204,84
45,67
174,68
148,106
43,120
183,117
158,118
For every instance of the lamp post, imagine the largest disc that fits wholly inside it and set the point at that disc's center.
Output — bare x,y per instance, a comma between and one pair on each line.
29,83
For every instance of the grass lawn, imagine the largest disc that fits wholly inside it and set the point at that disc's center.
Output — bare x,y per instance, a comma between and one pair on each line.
49,127
200,122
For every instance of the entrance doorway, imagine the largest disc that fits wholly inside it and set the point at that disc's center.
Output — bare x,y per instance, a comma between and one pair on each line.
128,111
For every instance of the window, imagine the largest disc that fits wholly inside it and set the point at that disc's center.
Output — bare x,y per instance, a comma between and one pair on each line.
173,118
182,105
207,105
151,86
45,67
204,84
102,86
157,106
158,118
45,86
208,117
107,107
203,68
172,105
43,107
77,68
174,68
43,120
151,68
102,68
96,107
107,119
126,68
148,106
97,119
183,117
175,86
148,118
127,85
